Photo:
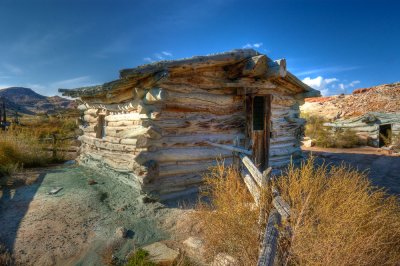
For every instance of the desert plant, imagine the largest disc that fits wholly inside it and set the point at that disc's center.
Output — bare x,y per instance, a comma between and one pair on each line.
339,218
6,257
140,258
229,221
327,137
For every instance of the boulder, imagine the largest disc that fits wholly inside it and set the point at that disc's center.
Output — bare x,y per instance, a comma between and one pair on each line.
161,254
121,232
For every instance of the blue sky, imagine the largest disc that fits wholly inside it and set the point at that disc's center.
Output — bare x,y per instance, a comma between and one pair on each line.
334,46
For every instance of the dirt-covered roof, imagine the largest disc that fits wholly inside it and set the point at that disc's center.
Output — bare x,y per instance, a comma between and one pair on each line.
158,71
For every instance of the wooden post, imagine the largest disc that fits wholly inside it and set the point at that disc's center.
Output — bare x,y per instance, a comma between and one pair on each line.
236,159
270,240
54,146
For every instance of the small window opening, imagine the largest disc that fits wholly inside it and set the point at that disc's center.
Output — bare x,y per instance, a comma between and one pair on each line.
258,113
101,127
385,135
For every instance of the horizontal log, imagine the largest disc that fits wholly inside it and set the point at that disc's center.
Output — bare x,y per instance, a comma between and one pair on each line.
184,154
192,140
276,69
179,168
230,148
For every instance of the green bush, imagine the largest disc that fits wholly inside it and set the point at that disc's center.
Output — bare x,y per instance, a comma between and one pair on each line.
140,258
327,137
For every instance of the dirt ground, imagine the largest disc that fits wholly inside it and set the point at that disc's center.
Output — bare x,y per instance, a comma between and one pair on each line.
382,169
74,226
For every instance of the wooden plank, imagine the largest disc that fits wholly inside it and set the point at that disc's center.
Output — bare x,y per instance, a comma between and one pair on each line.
258,148
251,186
270,240
249,120
282,207
253,170
229,148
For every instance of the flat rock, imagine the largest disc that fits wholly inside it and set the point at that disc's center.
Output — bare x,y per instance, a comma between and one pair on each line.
193,243
160,253
223,259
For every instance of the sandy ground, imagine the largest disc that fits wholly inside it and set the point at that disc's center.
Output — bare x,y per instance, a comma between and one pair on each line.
74,226
383,169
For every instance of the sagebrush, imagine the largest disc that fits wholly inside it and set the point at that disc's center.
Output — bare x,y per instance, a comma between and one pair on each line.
338,218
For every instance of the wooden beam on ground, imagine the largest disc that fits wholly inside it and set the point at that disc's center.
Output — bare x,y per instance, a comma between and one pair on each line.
270,240
282,207
253,170
251,186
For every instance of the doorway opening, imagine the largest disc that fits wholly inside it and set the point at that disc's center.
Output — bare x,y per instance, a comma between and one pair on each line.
385,135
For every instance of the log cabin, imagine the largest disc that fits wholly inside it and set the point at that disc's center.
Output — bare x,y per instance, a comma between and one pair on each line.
151,128
373,129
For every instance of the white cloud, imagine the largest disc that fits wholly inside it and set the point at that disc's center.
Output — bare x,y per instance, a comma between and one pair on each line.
167,53
329,86
254,45
320,83
73,83
334,69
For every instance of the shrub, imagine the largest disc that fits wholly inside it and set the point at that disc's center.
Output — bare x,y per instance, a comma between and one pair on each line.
229,221
140,258
6,258
339,218
327,137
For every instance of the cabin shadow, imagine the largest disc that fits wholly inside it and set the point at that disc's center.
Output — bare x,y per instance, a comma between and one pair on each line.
382,170
17,200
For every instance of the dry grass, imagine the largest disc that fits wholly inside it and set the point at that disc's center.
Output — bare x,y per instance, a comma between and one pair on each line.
229,222
22,146
344,220
338,218
6,259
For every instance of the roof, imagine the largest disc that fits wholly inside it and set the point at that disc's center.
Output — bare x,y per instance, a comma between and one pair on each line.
159,71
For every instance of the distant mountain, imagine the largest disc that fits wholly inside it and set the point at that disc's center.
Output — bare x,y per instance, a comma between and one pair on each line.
26,101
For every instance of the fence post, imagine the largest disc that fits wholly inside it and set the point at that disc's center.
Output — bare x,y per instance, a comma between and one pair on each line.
236,159
54,146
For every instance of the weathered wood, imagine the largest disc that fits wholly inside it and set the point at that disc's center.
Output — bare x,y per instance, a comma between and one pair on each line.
230,148
270,241
267,127
282,207
258,148
276,69
251,186
253,170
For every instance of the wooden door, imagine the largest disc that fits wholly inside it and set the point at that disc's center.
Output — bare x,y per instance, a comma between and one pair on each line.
258,128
